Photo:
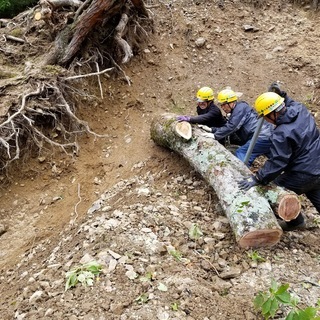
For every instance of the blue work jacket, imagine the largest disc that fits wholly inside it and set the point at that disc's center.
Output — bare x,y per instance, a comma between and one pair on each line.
295,144
242,121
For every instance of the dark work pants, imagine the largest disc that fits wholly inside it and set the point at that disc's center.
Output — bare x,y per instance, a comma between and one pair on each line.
301,183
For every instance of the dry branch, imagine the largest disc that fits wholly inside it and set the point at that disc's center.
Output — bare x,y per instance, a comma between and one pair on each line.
88,74
61,3
12,38
250,215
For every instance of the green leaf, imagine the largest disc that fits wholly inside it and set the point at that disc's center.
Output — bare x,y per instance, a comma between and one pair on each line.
284,297
266,307
176,254
283,288
71,281
174,306
143,298
93,267
255,256
290,315
195,232
259,300
274,286
307,314
273,307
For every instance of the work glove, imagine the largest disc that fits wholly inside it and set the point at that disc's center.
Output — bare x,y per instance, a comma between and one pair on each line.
275,87
205,128
248,183
208,135
183,118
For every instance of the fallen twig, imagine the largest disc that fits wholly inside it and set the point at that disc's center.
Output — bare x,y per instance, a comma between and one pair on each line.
204,258
88,74
15,39
100,86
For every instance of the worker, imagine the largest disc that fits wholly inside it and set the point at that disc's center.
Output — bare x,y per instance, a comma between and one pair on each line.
242,120
294,159
208,113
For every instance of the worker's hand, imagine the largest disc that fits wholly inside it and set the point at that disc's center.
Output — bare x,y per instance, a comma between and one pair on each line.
205,128
183,118
208,135
248,183
275,87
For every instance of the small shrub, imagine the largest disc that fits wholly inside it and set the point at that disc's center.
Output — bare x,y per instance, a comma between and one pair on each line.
84,274
269,302
255,256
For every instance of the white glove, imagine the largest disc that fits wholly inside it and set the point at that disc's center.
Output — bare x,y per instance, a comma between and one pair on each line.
205,128
208,135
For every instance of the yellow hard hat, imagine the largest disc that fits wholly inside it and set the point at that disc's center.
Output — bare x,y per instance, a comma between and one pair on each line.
205,94
227,96
267,102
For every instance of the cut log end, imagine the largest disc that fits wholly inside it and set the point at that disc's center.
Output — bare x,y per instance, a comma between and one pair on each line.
38,16
184,130
289,207
260,238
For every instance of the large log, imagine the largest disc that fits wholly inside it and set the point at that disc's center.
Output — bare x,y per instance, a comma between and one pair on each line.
249,213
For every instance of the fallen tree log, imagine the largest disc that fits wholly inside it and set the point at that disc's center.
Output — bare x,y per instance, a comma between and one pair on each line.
285,203
250,214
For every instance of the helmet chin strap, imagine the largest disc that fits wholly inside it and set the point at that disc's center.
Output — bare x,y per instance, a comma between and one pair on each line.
274,118
232,104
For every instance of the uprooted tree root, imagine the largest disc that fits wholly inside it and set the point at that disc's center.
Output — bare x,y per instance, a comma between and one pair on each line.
45,50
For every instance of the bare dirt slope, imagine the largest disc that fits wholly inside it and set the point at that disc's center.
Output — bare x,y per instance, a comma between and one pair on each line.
128,203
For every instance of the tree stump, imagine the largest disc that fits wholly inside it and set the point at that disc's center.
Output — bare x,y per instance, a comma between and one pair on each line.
249,213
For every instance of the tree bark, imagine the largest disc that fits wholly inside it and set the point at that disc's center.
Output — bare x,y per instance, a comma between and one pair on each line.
249,213
66,49
139,4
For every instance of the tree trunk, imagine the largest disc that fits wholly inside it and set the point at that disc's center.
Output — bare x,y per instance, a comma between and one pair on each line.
95,13
250,215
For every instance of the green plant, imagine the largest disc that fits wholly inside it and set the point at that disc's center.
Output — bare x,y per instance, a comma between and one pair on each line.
143,298
148,277
255,256
316,221
269,302
174,306
176,254
84,274
195,232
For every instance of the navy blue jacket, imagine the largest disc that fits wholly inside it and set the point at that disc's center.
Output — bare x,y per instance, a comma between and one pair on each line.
242,121
211,116
295,144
